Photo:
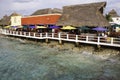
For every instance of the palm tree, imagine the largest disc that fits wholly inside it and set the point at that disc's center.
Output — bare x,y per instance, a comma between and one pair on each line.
108,17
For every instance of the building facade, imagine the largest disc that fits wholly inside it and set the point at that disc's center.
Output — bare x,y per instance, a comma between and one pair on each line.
115,17
15,19
45,19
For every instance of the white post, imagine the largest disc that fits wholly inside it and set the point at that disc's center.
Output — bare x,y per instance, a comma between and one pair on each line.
10,32
34,34
41,35
59,35
87,38
67,36
4,31
111,40
52,35
76,38
16,32
29,34
98,40
46,35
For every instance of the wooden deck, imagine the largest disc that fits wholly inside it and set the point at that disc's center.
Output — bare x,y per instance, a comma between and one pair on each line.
106,41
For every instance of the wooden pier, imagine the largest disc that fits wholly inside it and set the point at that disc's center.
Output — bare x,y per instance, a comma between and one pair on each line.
106,41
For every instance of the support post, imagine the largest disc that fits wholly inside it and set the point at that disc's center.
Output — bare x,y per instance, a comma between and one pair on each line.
98,40
59,35
29,34
52,35
16,32
34,34
41,35
76,38
46,35
111,40
60,41
67,36
46,40
87,38
76,43
20,33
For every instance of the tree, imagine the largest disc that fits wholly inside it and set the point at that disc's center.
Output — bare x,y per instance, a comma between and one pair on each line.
108,17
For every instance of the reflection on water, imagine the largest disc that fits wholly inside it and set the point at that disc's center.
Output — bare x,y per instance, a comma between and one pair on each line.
33,62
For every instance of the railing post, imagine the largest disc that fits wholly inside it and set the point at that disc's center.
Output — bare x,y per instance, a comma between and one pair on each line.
10,32
46,35
52,35
4,31
76,38
20,33
98,40
29,34
111,40
87,38
59,35
34,34
41,35
16,32
67,36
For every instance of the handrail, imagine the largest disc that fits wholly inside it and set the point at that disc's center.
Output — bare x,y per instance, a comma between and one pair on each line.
109,41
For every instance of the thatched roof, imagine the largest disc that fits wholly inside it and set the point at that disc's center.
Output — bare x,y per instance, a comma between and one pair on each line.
47,11
84,15
5,20
15,14
113,13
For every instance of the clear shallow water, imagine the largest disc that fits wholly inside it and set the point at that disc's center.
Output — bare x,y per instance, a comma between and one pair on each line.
33,62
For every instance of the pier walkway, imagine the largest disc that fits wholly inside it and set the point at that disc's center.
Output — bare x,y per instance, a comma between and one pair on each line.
106,41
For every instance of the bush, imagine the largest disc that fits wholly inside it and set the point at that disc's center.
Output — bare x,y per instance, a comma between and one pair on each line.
114,34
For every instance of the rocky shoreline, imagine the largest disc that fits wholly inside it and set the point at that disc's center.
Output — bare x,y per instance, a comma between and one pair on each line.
102,52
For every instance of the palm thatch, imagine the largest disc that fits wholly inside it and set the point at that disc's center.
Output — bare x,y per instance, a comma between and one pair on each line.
113,13
47,11
15,14
84,15
56,10
5,21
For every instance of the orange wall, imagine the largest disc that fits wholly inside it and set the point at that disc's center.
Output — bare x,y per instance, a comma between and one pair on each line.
46,19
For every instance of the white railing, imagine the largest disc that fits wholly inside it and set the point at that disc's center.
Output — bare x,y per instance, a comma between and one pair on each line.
108,41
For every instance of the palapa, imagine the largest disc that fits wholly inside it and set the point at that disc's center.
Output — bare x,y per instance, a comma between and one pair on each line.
84,15
5,21
113,13
47,11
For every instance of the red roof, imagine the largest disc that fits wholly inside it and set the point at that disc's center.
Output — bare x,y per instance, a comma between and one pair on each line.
41,19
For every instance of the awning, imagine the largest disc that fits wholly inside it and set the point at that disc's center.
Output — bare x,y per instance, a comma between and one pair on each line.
31,27
41,27
54,27
7,27
68,28
25,27
99,29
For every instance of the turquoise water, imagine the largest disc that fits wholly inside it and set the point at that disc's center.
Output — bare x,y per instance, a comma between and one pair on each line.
27,61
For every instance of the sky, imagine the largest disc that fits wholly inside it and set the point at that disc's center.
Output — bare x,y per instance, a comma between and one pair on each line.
27,7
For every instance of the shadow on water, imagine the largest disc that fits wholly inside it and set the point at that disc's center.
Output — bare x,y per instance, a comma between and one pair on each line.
26,61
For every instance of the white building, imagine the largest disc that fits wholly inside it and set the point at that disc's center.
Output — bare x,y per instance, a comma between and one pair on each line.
115,20
15,19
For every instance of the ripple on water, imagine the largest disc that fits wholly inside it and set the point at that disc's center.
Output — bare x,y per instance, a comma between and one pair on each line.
33,62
